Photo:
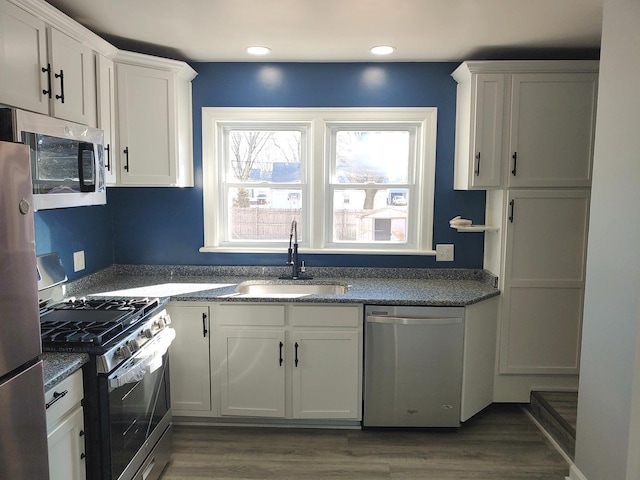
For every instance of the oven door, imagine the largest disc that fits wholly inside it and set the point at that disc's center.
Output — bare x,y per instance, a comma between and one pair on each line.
139,402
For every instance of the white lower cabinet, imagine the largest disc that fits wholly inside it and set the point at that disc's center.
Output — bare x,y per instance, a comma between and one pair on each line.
252,372
190,375
65,429
289,361
325,374
544,275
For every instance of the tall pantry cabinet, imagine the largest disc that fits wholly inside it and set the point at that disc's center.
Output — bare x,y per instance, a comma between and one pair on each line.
525,134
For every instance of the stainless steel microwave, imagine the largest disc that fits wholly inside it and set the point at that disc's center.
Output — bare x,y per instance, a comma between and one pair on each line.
67,159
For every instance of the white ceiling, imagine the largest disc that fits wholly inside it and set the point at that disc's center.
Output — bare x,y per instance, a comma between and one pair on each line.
344,30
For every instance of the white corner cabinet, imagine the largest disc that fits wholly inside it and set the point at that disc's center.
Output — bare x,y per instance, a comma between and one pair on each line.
524,124
275,360
45,64
65,429
153,103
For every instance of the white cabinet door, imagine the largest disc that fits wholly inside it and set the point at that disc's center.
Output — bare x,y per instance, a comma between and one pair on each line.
66,448
552,129
72,79
325,374
189,359
105,73
153,98
23,53
146,126
544,281
252,372
479,124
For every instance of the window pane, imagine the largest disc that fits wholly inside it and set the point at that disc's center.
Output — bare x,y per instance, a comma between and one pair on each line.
370,215
264,156
370,156
264,214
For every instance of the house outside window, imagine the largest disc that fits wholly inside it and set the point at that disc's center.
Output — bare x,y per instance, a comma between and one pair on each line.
357,180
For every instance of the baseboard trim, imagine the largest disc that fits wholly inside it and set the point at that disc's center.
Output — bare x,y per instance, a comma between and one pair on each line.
575,473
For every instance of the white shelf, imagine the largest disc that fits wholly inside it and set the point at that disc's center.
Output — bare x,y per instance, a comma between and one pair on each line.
475,228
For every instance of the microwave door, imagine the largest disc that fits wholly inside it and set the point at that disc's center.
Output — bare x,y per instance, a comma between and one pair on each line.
86,167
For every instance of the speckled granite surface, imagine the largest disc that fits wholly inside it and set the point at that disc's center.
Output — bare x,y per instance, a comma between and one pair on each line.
373,286
58,366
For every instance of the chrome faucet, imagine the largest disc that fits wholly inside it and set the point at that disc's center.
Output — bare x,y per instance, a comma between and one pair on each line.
292,254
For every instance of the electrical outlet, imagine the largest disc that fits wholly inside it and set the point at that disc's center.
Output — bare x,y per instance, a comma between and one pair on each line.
444,252
78,261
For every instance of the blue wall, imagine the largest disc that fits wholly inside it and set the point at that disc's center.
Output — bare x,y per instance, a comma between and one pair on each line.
164,225
68,230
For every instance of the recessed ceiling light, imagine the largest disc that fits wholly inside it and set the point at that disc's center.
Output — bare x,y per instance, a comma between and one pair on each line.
256,50
382,50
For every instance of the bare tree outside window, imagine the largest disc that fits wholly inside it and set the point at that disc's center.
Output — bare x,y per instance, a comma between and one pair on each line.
266,173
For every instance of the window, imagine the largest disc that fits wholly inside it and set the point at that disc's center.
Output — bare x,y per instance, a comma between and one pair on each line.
356,180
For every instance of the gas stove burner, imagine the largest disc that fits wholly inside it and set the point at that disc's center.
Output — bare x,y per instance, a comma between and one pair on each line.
94,324
95,333
105,304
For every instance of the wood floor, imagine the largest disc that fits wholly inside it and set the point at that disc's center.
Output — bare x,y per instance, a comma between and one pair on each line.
499,443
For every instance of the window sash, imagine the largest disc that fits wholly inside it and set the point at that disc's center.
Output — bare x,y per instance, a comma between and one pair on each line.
317,190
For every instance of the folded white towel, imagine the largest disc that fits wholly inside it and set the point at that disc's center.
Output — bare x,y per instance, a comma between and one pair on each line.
459,222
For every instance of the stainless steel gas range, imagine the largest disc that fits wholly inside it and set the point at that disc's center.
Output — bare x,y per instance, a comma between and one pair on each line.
127,404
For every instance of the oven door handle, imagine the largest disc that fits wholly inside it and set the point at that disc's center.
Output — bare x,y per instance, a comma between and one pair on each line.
147,360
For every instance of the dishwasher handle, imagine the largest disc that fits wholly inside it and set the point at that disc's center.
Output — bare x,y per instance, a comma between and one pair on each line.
413,320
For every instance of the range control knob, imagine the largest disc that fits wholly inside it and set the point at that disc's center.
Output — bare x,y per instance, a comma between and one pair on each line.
123,352
160,323
133,345
147,333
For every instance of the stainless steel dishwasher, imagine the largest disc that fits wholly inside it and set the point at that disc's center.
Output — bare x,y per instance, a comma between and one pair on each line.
413,366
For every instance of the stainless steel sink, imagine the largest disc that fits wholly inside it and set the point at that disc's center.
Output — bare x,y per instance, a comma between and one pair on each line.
265,289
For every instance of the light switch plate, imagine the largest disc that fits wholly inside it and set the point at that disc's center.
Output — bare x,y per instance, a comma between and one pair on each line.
444,252
78,261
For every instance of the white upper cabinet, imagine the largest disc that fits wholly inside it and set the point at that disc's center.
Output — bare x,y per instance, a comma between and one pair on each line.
70,75
154,121
525,124
43,69
23,53
552,129
480,100
105,84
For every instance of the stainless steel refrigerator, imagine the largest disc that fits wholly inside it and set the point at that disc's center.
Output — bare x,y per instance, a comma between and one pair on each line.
23,428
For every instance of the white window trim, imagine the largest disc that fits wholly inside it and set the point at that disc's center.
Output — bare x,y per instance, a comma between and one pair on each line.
318,119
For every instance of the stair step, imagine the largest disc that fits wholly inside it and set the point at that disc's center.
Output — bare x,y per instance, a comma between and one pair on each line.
556,412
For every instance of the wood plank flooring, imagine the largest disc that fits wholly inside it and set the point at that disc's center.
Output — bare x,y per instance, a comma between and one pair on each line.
499,443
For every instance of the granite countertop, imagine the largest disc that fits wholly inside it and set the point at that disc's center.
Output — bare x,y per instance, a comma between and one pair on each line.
58,366
424,287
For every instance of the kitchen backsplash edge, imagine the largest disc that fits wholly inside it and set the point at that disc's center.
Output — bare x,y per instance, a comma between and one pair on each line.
103,276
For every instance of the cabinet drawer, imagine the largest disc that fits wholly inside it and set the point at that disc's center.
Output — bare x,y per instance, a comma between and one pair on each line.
62,398
251,315
326,316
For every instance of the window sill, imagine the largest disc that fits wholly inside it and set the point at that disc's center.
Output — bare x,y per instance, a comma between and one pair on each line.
328,251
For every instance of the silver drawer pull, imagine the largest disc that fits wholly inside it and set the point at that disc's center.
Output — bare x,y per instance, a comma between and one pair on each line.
56,396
